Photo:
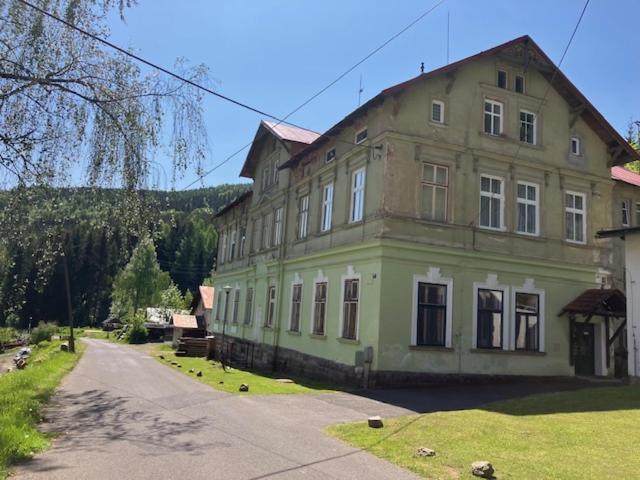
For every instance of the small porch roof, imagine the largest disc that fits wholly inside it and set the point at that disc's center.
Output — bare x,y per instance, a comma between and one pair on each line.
598,301
185,321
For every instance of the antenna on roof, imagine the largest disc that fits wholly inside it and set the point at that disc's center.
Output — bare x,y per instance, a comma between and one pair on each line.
448,16
360,90
421,67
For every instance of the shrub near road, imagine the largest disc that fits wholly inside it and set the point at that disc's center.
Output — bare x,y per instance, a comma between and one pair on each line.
22,396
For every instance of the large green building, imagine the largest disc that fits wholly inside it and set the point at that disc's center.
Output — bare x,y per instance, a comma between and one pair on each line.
437,230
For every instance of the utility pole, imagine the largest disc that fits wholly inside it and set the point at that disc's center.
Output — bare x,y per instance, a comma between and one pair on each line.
226,289
72,345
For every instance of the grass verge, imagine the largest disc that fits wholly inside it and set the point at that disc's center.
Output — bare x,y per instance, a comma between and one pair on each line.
571,435
22,396
213,375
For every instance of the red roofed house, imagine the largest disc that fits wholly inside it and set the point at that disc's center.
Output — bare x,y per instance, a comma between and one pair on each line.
626,213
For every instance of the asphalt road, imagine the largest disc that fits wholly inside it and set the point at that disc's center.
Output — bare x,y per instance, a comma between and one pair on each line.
123,415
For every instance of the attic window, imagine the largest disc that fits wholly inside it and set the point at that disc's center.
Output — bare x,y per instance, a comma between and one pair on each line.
502,79
361,136
575,146
437,111
330,155
519,84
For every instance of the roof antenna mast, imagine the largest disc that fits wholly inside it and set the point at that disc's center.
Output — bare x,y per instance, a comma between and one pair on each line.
360,90
448,29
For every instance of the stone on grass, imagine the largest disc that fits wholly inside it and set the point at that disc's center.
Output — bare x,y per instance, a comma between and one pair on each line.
174,363
244,387
179,366
199,373
191,370
161,357
482,469
425,452
375,422
220,382
64,347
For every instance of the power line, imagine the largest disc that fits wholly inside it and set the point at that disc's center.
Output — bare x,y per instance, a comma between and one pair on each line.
322,90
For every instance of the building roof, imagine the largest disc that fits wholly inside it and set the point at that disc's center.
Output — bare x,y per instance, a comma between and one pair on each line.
206,295
522,49
238,200
596,301
298,137
184,321
627,176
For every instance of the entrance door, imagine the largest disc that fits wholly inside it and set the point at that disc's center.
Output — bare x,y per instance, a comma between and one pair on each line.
584,353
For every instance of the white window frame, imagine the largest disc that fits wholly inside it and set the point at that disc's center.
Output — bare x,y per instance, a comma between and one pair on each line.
326,155
270,317
492,195
491,283
533,125
442,117
303,216
575,211
355,137
356,211
575,141
277,226
626,213
433,277
528,287
232,244
351,275
435,186
493,115
267,230
296,282
248,306
236,305
526,202
327,207
320,278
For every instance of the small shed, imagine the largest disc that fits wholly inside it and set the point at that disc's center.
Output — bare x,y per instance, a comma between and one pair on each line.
186,326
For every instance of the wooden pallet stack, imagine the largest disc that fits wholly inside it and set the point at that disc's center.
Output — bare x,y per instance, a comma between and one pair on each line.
192,347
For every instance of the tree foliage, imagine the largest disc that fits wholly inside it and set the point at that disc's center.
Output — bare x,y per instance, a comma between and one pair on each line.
633,136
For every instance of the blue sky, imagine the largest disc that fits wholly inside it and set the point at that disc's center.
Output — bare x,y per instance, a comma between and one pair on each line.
274,54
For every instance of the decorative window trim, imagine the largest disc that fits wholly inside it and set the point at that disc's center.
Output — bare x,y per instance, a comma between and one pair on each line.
297,281
491,283
528,287
364,139
501,197
433,276
442,119
320,278
350,275
574,210
526,201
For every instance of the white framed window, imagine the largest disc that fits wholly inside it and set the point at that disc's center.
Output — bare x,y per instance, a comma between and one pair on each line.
357,195
528,212
265,178
437,111
431,319
491,202
222,248
232,244
518,85
528,318
296,307
319,307
493,117
276,171
303,216
626,217
575,146
248,306
435,189
361,135
502,79
327,207
243,240
236,305
575,207
277,226
528,123
490,314
330,155
267,235
350,307
271,306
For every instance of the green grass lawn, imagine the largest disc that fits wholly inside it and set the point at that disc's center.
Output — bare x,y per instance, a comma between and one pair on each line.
212,374
22,396
587,434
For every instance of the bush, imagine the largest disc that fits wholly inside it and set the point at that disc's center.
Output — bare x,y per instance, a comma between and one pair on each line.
44,331
138,332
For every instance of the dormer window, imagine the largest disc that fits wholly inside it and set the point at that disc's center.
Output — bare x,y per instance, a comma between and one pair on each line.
519,84
361,136
330,155
502,79
437,111
575,146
